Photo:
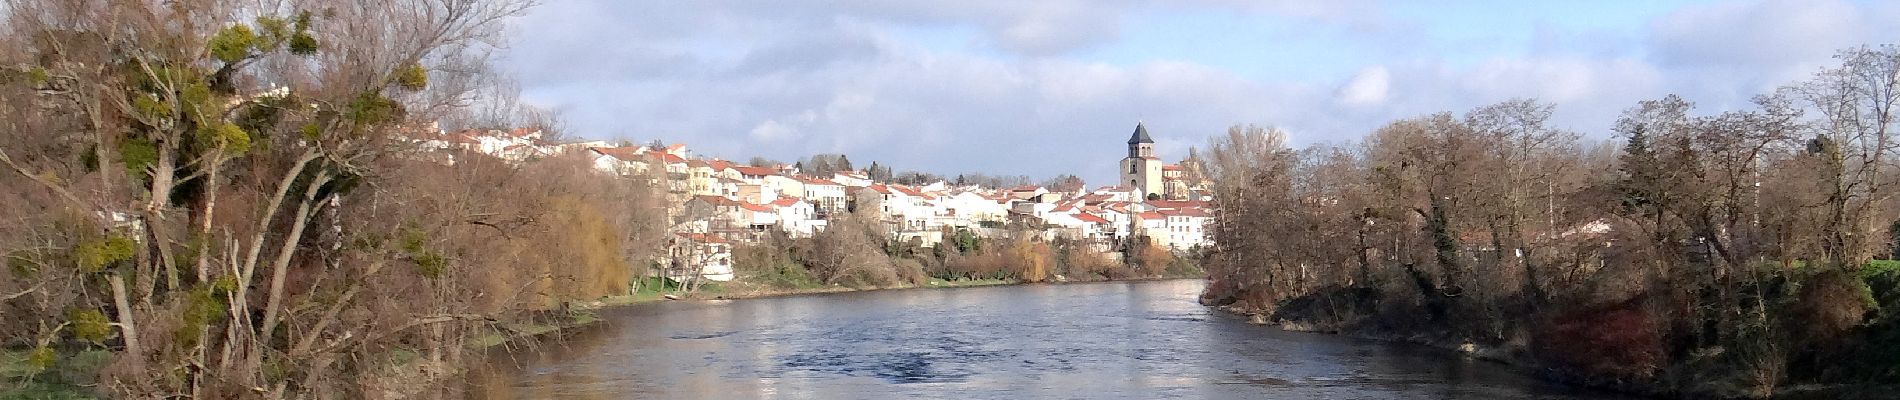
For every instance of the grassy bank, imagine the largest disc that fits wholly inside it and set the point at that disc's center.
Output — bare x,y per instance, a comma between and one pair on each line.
69,376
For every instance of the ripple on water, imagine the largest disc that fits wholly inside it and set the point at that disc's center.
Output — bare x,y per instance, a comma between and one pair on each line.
1136,341
698,336
894,367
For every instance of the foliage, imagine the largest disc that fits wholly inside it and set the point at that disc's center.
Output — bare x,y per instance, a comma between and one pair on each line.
40,358
1707,255
1031,260
97,254
232,43
137,155
225,135
773,264
412,77
414,244
89,325
236,201
371,108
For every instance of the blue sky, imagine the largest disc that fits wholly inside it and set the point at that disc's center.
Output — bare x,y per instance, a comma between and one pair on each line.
1054,86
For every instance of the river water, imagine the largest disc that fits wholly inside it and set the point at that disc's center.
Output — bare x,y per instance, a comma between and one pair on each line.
1139,340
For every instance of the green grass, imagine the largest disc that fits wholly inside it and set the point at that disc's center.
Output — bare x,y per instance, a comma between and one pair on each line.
1880,267
64,380
13,364
42,391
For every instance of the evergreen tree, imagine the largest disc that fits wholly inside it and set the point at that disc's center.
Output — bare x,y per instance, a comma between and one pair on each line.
1638,169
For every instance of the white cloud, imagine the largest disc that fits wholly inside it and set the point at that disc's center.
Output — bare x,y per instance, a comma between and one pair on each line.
1758,32
785,79
1368,88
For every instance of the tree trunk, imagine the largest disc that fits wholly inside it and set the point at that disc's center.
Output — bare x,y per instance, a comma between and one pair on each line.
128,330
281,267
159,199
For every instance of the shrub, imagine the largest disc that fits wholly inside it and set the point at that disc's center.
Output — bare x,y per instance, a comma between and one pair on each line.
1621,341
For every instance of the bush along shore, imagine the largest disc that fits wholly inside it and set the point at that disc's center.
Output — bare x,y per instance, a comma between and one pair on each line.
1742,254
1587,348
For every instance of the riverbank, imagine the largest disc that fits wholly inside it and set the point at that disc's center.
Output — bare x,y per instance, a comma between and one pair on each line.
584,314
1514,357
1519,355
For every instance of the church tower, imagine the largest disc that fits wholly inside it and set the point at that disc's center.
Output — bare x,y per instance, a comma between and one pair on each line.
1142,170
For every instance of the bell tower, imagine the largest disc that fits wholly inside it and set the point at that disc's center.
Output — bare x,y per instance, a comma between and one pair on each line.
1141,170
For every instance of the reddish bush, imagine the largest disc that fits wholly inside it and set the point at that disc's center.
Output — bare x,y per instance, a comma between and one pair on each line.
1622,341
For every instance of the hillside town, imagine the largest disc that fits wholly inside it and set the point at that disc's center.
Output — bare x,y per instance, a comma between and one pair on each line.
716,204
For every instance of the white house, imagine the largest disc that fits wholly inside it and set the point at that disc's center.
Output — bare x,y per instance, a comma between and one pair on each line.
1153,225
619,160
851,179
797,217
973,208
829,196
1027,192
757,216
1186,227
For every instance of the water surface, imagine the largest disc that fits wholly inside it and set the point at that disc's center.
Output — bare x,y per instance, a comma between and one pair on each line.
1142,340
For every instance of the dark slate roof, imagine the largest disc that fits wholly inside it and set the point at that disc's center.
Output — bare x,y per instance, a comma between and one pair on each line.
1141,134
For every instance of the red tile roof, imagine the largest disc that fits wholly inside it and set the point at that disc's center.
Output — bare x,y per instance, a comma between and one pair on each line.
755,207
1090,218
751,170
785,201
815,181
1186,212
619,153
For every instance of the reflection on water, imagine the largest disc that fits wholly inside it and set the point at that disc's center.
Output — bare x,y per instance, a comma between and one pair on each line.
1107,340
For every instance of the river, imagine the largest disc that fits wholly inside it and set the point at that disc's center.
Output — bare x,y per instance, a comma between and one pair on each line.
1128,340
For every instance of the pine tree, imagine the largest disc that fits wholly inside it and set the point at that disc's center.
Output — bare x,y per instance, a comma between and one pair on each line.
1638,169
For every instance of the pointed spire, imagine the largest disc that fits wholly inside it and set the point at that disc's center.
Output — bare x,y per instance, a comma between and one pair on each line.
1141,134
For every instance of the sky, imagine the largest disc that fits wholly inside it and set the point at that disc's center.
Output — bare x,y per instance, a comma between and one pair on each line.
1047,87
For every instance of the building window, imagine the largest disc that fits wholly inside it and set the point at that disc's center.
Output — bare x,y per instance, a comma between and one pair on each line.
1133,168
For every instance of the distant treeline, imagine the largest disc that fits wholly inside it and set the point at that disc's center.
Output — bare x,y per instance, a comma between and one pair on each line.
1732,254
